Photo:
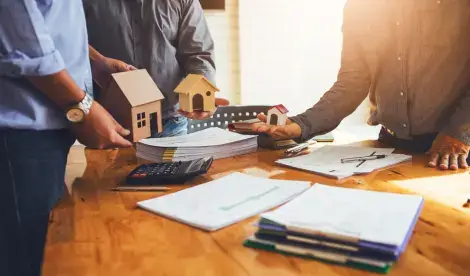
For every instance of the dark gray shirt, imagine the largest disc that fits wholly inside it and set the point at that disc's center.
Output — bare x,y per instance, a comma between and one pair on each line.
412,57
169,38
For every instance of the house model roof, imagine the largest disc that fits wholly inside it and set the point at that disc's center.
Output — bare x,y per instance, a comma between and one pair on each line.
281,108
138,87
188,84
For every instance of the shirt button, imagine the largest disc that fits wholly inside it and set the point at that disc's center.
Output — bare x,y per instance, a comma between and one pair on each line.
401,94
399,58
398,23
438,2
404,125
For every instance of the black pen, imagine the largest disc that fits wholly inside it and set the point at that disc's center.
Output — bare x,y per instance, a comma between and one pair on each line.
362,158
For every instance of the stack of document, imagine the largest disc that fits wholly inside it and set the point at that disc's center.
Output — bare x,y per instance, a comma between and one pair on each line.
328,160
362,229
224,201
212,142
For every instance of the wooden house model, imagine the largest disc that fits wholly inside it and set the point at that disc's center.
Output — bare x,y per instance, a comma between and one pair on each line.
196,93
277,115
134,100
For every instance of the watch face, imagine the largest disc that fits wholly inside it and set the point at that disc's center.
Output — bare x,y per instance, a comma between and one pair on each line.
75,115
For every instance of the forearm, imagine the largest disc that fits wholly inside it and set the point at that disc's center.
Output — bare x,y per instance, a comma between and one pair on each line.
94,55
60,88
340,101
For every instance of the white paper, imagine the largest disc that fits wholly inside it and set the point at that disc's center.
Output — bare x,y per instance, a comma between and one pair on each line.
205,138
224,201
327,160
370,216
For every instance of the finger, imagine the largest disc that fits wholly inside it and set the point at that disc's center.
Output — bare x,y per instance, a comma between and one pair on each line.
444,162
131,68
261,127
434,157
189,115
463,161
262,117
201,115
120,142
221,102
453,161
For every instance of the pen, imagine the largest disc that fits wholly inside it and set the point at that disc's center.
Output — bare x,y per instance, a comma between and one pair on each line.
299,148
141,189
363,158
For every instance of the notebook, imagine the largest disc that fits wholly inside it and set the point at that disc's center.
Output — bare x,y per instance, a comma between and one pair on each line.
224,201
361,229
352,215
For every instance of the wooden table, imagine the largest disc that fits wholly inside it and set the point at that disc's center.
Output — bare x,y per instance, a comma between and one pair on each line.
94,231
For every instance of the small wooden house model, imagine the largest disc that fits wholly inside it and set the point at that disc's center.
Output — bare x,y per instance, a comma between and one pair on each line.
277,115
196,93
134,100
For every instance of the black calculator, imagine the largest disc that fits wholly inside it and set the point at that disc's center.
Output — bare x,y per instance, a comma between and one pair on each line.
168,173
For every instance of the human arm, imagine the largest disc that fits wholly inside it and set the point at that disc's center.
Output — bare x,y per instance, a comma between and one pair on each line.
196,49
28,51
102,67
350,89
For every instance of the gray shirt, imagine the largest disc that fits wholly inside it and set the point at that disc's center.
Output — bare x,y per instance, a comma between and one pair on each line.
412,58
169,38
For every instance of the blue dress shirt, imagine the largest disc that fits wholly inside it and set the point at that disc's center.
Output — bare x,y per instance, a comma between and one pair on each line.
38,38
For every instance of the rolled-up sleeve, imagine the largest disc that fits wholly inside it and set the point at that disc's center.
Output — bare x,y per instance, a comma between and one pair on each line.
26,47
196,46
350,89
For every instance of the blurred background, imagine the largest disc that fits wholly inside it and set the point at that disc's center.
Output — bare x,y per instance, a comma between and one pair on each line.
278,51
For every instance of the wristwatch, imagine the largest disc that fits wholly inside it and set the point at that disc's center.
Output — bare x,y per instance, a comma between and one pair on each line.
77,113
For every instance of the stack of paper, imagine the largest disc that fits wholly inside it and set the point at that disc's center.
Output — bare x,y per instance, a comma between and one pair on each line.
214,142
362,229
327,160
224,201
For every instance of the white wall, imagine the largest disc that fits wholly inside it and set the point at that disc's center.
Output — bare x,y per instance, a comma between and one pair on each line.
290,52
224,29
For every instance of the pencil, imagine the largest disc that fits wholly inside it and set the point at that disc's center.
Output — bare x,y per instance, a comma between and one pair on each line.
140,189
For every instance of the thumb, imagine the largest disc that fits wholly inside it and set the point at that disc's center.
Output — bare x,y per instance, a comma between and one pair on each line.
121,130
262,117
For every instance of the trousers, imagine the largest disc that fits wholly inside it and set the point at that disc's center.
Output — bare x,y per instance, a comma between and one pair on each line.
32,170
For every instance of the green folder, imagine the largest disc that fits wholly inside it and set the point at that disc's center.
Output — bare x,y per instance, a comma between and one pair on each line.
255,243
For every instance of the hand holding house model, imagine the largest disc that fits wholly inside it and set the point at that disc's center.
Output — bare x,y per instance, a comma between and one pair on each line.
134,100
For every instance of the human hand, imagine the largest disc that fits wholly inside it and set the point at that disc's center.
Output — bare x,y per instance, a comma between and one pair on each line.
288,131
448,153
99,130
201,115
103,67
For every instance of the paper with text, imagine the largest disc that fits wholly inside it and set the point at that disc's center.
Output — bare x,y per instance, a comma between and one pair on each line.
224,201
327,160
205,138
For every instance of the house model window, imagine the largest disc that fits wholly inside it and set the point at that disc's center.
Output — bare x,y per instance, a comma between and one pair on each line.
141,122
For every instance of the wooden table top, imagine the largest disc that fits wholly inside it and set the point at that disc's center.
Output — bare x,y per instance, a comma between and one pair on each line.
94,231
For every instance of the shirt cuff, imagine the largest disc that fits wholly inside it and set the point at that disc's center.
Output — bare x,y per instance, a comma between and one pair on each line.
461,132
304,126
17,64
